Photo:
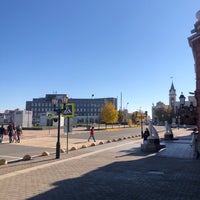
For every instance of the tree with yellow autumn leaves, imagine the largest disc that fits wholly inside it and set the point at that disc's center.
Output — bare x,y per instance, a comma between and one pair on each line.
109,115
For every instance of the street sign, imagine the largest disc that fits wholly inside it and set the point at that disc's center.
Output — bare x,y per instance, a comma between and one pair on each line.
68,125
69,112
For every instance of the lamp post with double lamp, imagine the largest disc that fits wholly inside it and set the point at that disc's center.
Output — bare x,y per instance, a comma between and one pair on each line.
141,117
141,121
92,109
89,108
59,110
127,112
182,103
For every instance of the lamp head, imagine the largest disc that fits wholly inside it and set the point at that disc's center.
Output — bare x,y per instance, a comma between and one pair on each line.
65,99
182,99
198,15
54,101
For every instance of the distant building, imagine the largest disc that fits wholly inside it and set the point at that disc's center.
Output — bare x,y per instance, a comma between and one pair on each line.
86,110
19,117
175,105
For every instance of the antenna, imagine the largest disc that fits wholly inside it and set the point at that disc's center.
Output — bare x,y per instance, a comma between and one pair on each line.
121,101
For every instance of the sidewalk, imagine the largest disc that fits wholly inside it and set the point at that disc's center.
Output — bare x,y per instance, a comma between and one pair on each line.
118,170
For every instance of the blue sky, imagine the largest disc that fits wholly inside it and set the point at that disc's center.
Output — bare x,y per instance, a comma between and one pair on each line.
100,47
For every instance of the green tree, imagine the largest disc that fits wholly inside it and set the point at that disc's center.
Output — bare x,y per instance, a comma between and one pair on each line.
134,117
120,116
163,113
109,114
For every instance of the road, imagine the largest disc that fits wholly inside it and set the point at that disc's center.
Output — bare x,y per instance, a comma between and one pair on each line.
36,142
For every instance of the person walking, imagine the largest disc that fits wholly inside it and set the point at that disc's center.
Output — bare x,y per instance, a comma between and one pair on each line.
10,132
2,132
145,135
19,132
92,134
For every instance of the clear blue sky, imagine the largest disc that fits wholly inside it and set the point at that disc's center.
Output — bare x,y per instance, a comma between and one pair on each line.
100,47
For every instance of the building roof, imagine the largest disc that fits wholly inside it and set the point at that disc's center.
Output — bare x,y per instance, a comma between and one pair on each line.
172,88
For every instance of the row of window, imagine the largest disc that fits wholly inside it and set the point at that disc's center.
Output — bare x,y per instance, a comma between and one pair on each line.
76,110
87,110
81,105
38,104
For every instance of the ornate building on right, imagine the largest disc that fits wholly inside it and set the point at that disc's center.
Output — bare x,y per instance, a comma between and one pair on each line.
179,111
194,42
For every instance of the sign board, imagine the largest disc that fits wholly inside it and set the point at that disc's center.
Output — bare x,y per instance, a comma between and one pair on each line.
69,112
68,125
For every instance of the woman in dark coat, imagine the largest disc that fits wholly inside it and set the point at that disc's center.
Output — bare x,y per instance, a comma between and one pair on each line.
146,135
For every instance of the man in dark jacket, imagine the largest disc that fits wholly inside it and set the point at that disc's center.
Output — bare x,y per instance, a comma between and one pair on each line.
146,135
2,132
10,132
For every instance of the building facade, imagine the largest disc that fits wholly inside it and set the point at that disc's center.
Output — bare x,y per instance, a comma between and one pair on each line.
194,42
86,110
185,113
18,117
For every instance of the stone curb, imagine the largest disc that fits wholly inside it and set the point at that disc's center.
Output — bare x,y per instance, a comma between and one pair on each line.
45,153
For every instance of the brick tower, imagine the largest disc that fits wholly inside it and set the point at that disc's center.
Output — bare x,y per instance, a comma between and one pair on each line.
194,42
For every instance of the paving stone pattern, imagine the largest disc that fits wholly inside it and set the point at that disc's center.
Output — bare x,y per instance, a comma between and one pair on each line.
118,170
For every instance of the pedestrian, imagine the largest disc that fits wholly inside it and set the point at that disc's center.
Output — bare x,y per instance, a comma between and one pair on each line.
14,133
19,132
92,134
146,134
2,132
10,132
194,144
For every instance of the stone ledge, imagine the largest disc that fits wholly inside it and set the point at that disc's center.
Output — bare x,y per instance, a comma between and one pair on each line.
152,148
168,136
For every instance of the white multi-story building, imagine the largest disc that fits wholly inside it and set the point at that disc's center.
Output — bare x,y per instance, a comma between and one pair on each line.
18,117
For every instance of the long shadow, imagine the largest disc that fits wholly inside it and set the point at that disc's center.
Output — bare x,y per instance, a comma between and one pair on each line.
151,177
136,151
148,178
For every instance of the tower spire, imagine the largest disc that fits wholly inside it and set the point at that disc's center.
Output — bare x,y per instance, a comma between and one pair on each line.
172,95
172,89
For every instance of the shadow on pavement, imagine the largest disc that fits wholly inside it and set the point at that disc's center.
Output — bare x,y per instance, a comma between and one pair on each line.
152,177
136,151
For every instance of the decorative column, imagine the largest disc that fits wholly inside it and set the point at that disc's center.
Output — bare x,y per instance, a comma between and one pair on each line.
194,42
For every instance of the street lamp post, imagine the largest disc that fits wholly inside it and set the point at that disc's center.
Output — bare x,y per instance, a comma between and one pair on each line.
92,107
60,110
89,111
127,112
182,103
141,123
